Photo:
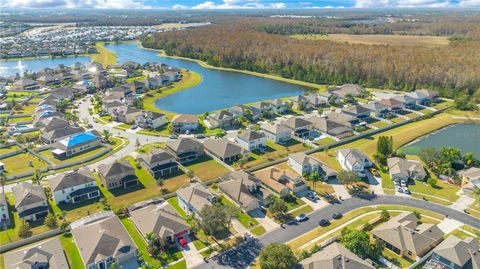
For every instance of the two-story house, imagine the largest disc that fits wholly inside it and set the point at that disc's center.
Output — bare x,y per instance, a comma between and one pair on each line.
251,140
306,164
185,149
151,120
353,160
193,198
276,132
159,163
119,174
185,123
74,187
30,201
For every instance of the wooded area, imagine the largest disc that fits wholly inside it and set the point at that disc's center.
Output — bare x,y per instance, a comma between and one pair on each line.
451,69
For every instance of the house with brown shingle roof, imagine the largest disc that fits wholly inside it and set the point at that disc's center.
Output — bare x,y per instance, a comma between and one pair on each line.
193,198
455,253
185,149
159,163
47,254
335,256
402,169
282,181
185,123
241,186
394,105
118,174
225,150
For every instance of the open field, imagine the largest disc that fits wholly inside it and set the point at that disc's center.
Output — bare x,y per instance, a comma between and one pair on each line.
104,56
399,40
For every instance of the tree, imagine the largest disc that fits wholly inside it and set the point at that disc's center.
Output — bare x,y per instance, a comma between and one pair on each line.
63,104
215,219
302,105
314,177
51,221
115,265
384,149
3,181
384,216
358,242
138,103
24,229
417,214
277,256
432,182
190,174
469,159
278,208
37,177
106,135
153,241
242,161
220,134
348,177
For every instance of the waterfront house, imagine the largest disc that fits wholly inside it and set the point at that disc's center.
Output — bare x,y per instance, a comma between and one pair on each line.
159,163
76,144
306,164
48,80
193,198
261,108
251,140
136,86
220,119
46,254
74,187
403,170
330,128
279,106
240,186
151,120
335,256
353,160
276,132
316,100
300,127
185,149
118,174
185,123
346,90
455,253
30,201
25,84
225,150
128,115
300,102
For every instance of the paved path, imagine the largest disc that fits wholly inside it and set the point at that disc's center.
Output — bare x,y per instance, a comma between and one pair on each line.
449,225
267,223
242,256
462,203
315,205
339,189
375,183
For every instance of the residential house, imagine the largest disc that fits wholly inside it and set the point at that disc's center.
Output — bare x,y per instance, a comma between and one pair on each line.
224,150
25,84
185,123
335,256
151,120
102,240
251,140
74,187
306,164
4,213
161,219
128,115
238,111
118,174
330,128
300,127
193,198
393,105
159,163
353,160
185,149
282,181
48,80
470,180
455,253
52,136
137,86
300,102
220,119
316,100
403,170
276,132
378,110
279,106
173,75
424,97
407,101
241,187
346,90
260,108
403,235
62,93
30,201
357,111
343,119
46,254
50,124
76,144
112,107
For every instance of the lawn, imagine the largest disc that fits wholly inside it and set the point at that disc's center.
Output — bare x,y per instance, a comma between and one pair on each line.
135,78
28,109
104,57
174,203
273,152
71,251
207,168
325,141
20,163
246,220
149,147
17,120
9,149
380,124
443,190
84,155
302,210
320,187
443,104
396,259
397,119
76,211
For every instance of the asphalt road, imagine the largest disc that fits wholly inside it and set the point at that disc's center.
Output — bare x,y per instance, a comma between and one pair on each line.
243,255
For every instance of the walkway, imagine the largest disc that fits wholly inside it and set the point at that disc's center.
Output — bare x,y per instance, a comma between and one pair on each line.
267,223
462,203
375,183
340,189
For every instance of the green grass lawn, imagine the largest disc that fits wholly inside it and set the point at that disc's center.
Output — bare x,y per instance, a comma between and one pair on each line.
174,202
104,56
443,190
380,124
76,211
397,119
274,152
245,219
396,259
22,119
179,265
8,149
149,147
20,163
28,109
207,168
302,210
325,141
84,155
135,78
71,251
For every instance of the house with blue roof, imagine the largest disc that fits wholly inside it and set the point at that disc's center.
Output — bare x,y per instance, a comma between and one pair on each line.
76,144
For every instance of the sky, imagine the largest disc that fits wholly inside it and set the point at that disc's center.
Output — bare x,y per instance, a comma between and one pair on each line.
234,4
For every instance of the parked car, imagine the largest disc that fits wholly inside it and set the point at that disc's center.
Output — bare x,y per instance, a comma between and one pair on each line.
311,195
324,222
95,120
173,137
90,125
200,136
406,190
301,217
337,215
399,189
134,127
182,241
374,172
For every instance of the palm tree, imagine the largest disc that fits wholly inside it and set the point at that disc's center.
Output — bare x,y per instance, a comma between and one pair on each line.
37,177
115,265
106,135
152,240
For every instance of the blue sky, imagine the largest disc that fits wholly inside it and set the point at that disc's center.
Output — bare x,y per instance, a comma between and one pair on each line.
234,4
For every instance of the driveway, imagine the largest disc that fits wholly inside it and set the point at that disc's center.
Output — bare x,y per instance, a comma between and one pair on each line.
375,183
462,203
265,221
340,190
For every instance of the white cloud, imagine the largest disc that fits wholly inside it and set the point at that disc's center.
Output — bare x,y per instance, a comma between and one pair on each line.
178,6
238,4
101,4
403,3
469,3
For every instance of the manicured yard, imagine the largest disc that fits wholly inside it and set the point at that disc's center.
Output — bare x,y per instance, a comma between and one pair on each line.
22,119
76,211
320,187
20,163
48,154
397,119
396,259
245,219
325,141
207,168
71,251
442,104
443,190
302,210
8,149
274,152
149,147
28,109
174,202
380,124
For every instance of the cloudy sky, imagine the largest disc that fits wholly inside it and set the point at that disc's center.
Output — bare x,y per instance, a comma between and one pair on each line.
233,4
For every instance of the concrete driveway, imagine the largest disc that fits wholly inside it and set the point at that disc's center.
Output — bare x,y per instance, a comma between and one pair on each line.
340,190
265,221
375,183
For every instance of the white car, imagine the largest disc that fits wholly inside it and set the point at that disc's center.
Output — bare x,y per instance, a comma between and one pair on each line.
301,217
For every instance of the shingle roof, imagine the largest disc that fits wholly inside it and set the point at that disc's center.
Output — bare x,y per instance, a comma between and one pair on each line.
115,168
183,144
68,130
460,251
237,188
25,194
250,135
353,155
295,123
50,252
196,195
405,167
155,156
275,128
223,147
72,179
185,118
335,256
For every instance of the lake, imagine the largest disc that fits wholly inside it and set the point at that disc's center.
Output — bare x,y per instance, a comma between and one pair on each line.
12,67
218,89
465,137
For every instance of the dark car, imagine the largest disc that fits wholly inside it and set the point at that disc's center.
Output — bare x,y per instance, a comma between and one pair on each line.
337,215
323,222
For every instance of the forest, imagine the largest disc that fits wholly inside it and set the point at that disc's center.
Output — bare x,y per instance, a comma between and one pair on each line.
246,44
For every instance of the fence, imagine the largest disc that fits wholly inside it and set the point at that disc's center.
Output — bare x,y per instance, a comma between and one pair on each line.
13,153
30,240
388,263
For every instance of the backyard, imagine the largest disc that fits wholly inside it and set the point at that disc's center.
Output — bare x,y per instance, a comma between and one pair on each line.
22,163
206,168
273,152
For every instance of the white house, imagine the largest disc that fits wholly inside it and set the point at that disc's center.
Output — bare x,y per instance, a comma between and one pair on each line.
74,187
305,164
193,198
151,120
251,140
185,122
353,160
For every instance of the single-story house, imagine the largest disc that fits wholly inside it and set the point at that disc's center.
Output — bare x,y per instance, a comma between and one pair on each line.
185,149
455,253
241,186
46,254
282,181
343,119
403,170
226,151
335,256
76,144
330,128
52,136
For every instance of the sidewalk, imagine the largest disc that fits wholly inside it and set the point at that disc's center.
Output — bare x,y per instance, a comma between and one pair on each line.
462,203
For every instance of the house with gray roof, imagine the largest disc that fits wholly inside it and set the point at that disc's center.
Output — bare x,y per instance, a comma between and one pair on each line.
52,136
185,123
159,163
357,111
343,119
345,90
470,180
220,119
76,144
378,110
25,84
403,170
306,164
4,213
407,101
62,93
151,120
251,140
279,106
300,127
50,124
225,150
240,186
128,115
336,256
30,201
118,174
102,240
353,160
455,253
276,132
330,128
193,198
161,219
74,187
403,235
47,254
185,149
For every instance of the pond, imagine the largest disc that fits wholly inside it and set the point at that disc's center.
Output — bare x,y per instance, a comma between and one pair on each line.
12,67
218,89
465,137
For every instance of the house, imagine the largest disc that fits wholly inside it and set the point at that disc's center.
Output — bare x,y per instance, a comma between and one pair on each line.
407,101
251,140
74,187
300,102
305,164
172,75
353,160
241,186
220,119
185,149
392,104
47,254
346,90
455,253
52,136
76,144
330,128
159,163
470,180
343,119
161,219
118,174
30,201
316,100
378,110
403,170
357,111
224,150
62,93
260,108
193,198
49,124
137,86
48,80
282,181
128,115
279,106
238,111
111,107
151,120
4,213
423,97
25,84
335,256
276,132
403,235
185,123
102,240
300,127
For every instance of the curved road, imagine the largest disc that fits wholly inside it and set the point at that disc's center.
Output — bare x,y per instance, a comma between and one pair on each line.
243,255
